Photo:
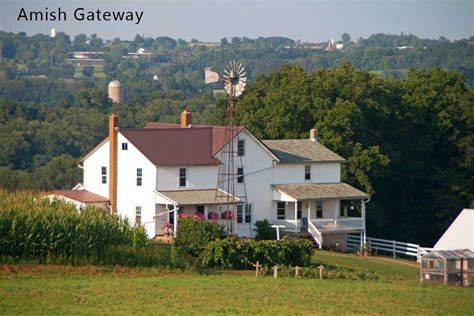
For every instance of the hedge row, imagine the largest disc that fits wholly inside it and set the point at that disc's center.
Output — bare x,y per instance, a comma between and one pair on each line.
231,253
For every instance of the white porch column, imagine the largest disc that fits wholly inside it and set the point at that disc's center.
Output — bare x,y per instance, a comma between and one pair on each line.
309,210
296,220
364,235
175,224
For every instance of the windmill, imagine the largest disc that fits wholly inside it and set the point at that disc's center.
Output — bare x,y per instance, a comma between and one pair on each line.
235,80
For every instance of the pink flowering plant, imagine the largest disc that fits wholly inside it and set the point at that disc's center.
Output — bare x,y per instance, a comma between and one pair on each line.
228,215
167,225
198,216
213,216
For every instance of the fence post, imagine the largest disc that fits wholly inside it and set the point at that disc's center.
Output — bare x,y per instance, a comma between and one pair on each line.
393,248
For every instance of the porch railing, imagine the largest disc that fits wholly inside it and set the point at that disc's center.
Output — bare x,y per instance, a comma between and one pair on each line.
340,223
316,234
290,224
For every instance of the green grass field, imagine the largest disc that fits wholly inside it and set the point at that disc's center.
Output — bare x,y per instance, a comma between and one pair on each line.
39,289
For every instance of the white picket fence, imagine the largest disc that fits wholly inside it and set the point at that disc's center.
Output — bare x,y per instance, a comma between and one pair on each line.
384,246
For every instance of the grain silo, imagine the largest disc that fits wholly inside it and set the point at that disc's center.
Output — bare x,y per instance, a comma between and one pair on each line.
115,91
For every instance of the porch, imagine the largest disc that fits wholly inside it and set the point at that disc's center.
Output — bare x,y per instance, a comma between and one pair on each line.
334,208
209,204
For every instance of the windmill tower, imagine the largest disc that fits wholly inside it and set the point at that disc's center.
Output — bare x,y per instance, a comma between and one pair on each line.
235,80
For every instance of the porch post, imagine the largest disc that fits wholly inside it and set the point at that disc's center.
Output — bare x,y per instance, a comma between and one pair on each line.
175,224
296,220
309,210
363,221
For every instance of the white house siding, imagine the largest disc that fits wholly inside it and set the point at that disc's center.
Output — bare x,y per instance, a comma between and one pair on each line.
92,176
321,172
257,163
330,209
129,195
198,177
260,173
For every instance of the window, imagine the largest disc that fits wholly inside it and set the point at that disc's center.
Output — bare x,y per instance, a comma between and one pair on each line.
298,210
104,175
139,177
124,146
240,175
200,209
248,213
182,177
244,218
239,214
281,210
319,209
138,215
240,147
307,172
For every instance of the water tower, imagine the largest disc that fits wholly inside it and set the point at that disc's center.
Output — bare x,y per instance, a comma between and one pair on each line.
115,91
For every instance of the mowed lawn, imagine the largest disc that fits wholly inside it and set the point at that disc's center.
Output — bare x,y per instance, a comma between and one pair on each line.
30,289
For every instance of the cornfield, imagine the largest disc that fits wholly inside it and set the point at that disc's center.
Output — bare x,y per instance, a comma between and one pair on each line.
35,229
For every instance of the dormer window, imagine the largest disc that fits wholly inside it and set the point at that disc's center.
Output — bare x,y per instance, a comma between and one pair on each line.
241,147
307,172
124,146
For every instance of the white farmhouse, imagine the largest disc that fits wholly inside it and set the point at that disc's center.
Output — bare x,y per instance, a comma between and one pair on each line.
152,174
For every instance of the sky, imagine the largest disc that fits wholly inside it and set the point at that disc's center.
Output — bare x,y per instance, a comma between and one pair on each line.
312,21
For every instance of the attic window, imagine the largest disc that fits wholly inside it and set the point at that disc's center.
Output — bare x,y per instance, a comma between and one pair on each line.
241,147
104,175
124,146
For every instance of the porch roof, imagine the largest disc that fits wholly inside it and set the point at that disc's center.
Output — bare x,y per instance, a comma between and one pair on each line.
83,196
204,196
306,191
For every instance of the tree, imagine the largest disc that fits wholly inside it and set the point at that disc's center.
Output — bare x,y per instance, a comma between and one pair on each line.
345,38
88,71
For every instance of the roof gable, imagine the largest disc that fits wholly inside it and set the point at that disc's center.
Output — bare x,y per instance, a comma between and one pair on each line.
460,234
301,151
173,146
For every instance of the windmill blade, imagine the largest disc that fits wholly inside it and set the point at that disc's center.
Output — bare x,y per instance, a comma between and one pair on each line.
210,76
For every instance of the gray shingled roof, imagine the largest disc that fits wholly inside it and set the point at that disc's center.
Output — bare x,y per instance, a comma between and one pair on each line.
301,150
306,191
450,254
205,196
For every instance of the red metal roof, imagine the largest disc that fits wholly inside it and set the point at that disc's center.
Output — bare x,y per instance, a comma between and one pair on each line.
219,138
79,195
173,146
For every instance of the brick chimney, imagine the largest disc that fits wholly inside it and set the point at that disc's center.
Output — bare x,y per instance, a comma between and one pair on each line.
113,126
313,135
186,118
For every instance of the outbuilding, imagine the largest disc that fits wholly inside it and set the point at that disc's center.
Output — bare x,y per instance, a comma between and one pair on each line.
448,267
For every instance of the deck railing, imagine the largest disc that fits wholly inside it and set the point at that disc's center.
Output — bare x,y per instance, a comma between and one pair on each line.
392,247
339,223
316,234
290,224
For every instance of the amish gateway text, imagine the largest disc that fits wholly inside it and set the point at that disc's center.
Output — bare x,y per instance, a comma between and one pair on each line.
80,14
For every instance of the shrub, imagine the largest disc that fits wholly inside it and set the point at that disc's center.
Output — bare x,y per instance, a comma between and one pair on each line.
194,235
264,230
231,253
